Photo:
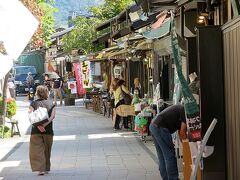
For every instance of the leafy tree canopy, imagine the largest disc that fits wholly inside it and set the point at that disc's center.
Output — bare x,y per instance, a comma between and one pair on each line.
43,10
84,32
110,8
81,36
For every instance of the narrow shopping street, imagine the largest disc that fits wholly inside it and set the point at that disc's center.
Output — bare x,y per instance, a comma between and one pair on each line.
85,147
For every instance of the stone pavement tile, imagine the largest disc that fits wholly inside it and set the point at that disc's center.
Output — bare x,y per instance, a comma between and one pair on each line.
100,168
99,159
117,167
118,175
111,152
114,160
103,175
83,151
138,150
86,159
83,163
70,172
153,176
45,177
133,165
137,171
129,157
61,177
136,176
67,159
80,177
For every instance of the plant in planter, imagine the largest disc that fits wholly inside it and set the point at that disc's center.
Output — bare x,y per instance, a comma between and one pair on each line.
11,107
11,111
69,99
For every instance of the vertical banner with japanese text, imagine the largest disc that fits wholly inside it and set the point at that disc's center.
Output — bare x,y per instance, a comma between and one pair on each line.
79,78
86,74
191,108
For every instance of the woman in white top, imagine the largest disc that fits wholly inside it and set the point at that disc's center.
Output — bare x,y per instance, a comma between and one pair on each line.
117,88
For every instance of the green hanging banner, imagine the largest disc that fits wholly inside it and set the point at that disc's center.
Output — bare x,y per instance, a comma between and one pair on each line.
192,111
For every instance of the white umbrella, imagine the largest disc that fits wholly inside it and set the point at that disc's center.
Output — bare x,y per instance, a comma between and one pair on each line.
52,75
17,26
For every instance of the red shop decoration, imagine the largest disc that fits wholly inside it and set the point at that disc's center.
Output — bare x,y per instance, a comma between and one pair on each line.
79,78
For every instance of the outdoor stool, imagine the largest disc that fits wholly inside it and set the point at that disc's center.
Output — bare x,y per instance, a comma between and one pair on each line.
14,127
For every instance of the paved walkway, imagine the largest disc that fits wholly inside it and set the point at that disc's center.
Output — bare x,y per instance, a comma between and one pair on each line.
85,147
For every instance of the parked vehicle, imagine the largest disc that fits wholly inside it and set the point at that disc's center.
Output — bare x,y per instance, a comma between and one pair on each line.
20,74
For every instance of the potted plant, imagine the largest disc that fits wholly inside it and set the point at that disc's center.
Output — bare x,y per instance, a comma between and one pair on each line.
11,107
11,111
69,99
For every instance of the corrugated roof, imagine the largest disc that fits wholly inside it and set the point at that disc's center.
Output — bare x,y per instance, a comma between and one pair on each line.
61,33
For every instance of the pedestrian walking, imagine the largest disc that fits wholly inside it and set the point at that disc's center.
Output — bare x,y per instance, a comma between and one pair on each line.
117,88
30,80
167,122
11,86
47,82
42,135
57,88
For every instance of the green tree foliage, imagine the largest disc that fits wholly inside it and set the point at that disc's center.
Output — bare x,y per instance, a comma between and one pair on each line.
11,107
43,10
81,36
47,19
84,32
110,8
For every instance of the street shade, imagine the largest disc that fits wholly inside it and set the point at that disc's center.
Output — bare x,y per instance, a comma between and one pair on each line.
52,75
17,25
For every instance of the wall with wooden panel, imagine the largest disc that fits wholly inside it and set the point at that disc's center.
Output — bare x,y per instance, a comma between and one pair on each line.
231,48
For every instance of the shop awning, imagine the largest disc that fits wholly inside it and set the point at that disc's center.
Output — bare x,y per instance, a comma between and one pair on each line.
122,32
157,33
163,46
115,47
141,23
144,45
103,38
118,53
61,33
104,53
156,5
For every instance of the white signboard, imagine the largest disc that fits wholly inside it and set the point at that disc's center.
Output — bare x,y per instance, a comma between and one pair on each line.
72,86
17,26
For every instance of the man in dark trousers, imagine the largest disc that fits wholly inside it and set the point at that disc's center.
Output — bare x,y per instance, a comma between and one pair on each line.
57,89
162,127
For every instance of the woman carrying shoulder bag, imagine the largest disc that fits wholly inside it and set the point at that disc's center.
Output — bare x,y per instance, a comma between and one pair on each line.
41,135
117,88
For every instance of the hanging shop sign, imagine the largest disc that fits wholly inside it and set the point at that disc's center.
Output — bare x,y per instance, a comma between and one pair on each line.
79,78
72,86
117,70
192,110
86,73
